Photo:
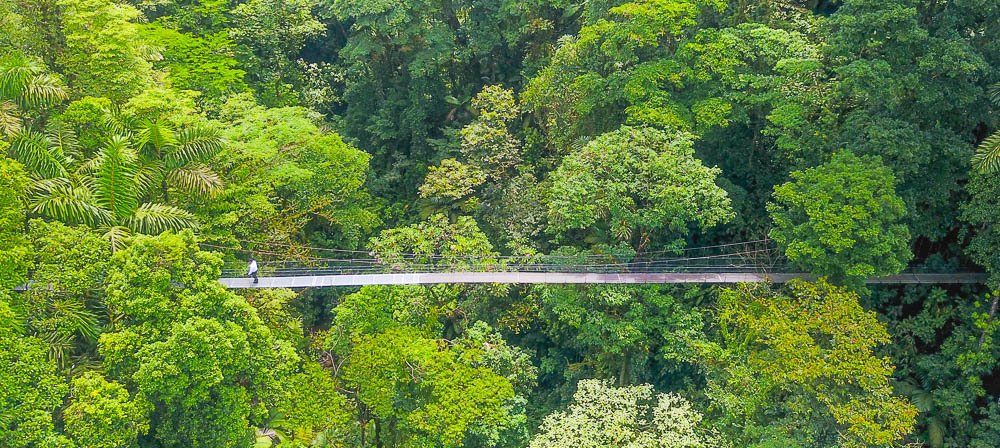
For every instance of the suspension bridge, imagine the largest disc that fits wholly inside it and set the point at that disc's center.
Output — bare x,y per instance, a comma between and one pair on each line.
752,261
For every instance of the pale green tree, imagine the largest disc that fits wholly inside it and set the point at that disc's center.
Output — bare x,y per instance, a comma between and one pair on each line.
114,63
602,415
102,414
627,185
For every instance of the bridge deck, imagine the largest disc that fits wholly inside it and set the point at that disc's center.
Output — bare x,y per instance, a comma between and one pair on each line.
325,281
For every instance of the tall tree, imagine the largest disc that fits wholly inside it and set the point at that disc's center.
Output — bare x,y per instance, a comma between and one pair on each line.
114,63
199,354
799,368
631,416
636,186
842,219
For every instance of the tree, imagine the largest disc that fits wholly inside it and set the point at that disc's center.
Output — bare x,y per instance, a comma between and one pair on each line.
114,63
631,416
286,177
199,61
25,85
436,241
15,251
30,389
102,414
488,141
450,184
209,367
799,368
628,184
412,386
271,33
842,219
911,77
632,333
66,310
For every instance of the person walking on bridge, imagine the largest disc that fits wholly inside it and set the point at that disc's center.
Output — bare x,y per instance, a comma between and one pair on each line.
252,270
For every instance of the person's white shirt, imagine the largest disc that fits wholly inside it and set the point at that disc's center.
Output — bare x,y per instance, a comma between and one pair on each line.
252,267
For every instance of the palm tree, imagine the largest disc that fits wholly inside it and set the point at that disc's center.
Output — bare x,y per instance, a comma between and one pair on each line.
123,187
172,158
25,85
987,158
105,192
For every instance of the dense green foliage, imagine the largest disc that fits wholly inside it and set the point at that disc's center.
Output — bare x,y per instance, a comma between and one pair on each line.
147,147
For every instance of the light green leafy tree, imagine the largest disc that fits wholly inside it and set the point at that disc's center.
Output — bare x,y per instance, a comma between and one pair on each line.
602,415
205,63
800,368
842,219
114,63
286,176
208,365
633,184
102,414
412,386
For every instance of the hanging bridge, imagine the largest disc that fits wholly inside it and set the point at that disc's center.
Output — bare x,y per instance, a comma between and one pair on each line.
753,261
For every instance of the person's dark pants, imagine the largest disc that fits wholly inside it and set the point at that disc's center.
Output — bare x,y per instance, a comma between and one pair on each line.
254,276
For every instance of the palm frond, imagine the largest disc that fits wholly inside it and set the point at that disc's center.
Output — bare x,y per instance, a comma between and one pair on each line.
16,70
10,118
88,166
155,138
60,347
36,152
67,201
118,236
43,90
153,219
987,157
193,144
72,316
64,138
993,92
24,81
115,185
149,175
195,178
117,122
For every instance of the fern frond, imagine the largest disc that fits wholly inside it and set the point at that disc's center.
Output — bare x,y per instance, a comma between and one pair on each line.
115,185
67,201
195,178
153,219
194,143
987,157
34,150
